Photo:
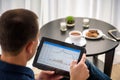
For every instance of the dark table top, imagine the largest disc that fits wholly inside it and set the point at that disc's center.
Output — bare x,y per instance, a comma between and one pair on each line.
93,47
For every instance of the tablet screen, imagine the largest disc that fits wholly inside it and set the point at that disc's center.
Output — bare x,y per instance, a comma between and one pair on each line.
57,55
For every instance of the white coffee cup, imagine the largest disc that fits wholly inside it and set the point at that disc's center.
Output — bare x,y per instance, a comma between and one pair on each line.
75,36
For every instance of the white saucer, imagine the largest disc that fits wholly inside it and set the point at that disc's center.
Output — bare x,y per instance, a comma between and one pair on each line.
98,37
82,42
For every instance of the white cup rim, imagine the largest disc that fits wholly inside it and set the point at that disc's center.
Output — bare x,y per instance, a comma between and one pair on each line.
73,37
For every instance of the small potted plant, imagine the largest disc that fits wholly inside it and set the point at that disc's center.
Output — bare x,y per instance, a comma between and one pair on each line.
70,21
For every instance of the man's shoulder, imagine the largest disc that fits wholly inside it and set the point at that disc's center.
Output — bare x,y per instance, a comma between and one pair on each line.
15,72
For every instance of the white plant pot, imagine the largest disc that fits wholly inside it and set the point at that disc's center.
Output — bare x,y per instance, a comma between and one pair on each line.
70,25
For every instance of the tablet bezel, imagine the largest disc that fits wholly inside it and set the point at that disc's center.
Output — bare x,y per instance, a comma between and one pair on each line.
46,67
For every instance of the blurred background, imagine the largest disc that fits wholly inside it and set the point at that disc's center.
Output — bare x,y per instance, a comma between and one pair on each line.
48,10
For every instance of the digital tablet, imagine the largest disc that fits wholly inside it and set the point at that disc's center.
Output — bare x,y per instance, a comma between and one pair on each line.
56,55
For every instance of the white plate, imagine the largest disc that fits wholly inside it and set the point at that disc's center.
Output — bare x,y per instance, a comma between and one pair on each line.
82,41
99,36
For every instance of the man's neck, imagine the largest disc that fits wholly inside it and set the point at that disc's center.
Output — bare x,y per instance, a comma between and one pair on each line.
17,60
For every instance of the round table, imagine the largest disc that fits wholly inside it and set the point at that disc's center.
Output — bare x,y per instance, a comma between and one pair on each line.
93,47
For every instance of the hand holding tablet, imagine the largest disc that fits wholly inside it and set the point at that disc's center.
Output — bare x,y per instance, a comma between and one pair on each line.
79,71
57,56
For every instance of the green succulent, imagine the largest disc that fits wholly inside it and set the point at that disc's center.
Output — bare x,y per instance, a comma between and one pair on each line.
70,19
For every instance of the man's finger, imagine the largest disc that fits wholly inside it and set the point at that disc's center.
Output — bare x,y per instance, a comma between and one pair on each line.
47,72
57,77
74,62
83,59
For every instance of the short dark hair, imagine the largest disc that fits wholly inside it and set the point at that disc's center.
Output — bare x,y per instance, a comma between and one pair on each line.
17,27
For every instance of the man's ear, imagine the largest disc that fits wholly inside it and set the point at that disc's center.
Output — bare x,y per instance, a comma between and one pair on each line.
30,46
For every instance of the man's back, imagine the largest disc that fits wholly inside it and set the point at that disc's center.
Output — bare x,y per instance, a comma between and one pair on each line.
15,72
